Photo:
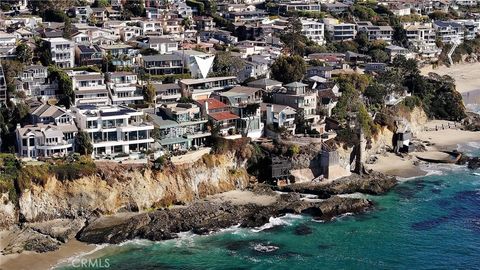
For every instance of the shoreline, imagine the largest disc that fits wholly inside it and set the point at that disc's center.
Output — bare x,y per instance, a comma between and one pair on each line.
465,75
30,260
390,164
410,166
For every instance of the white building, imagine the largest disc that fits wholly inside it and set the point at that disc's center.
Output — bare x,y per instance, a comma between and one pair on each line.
340,31
3,86
198,63
62,51
52,135
151,26
114,129
36,83
376,32
199,89
7,40
279,116
449,31
422,36
89,88
314,30
467,3
123,88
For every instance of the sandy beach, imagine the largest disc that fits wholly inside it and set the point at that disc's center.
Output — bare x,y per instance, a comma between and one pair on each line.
466,75
42,261
441,140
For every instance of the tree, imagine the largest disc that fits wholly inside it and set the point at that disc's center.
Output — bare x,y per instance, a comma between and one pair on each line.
379,56
149,93
101,3
399,36
187,23
293,38
54,15
438,15
375,93
288,69
365,120
44,53
83,143
148,51
12,69
347,102
363,12
24,53
65,86
135,7
67,29
225,64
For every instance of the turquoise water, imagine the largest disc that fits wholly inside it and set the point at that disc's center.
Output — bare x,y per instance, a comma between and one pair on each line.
432,222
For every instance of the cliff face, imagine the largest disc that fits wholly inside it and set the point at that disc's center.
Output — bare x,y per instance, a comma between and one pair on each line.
117,188
416,119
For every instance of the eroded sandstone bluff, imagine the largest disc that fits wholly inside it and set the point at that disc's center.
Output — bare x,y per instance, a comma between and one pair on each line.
120,188
120,203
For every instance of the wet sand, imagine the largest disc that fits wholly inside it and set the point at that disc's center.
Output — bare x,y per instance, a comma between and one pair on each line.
42,261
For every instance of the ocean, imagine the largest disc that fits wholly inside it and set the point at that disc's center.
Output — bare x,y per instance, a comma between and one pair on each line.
430,222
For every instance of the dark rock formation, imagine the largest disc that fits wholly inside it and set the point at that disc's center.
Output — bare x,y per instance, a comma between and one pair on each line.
472,122
373,183
474,163
205,217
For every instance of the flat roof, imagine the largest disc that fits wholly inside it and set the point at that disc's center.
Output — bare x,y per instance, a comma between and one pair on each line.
206,80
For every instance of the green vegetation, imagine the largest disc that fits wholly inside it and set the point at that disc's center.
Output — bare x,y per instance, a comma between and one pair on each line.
225,64
134,8
15,177
288,69
65,87
9,167
149,93
83,143
24,53
412,102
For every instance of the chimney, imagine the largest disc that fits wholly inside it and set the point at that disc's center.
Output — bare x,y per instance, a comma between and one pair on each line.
269,114
205,106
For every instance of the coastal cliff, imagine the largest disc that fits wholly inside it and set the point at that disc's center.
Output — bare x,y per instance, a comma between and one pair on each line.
116,187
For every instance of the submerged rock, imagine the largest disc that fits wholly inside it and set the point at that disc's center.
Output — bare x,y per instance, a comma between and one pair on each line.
303,230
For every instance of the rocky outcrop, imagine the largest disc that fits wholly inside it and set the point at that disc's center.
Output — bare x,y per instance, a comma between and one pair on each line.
373,183
205,217
117,189
474,163
472,122
8,214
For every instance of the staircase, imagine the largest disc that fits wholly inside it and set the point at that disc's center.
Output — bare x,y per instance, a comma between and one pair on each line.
455,44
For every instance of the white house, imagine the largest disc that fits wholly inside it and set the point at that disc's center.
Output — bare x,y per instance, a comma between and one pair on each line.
422,36
313,30
123,88
114,129
340,31
52,135
62,51
89,88
279,116
199,63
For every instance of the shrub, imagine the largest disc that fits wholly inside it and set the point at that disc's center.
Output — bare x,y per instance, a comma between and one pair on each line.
293,150
412,102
